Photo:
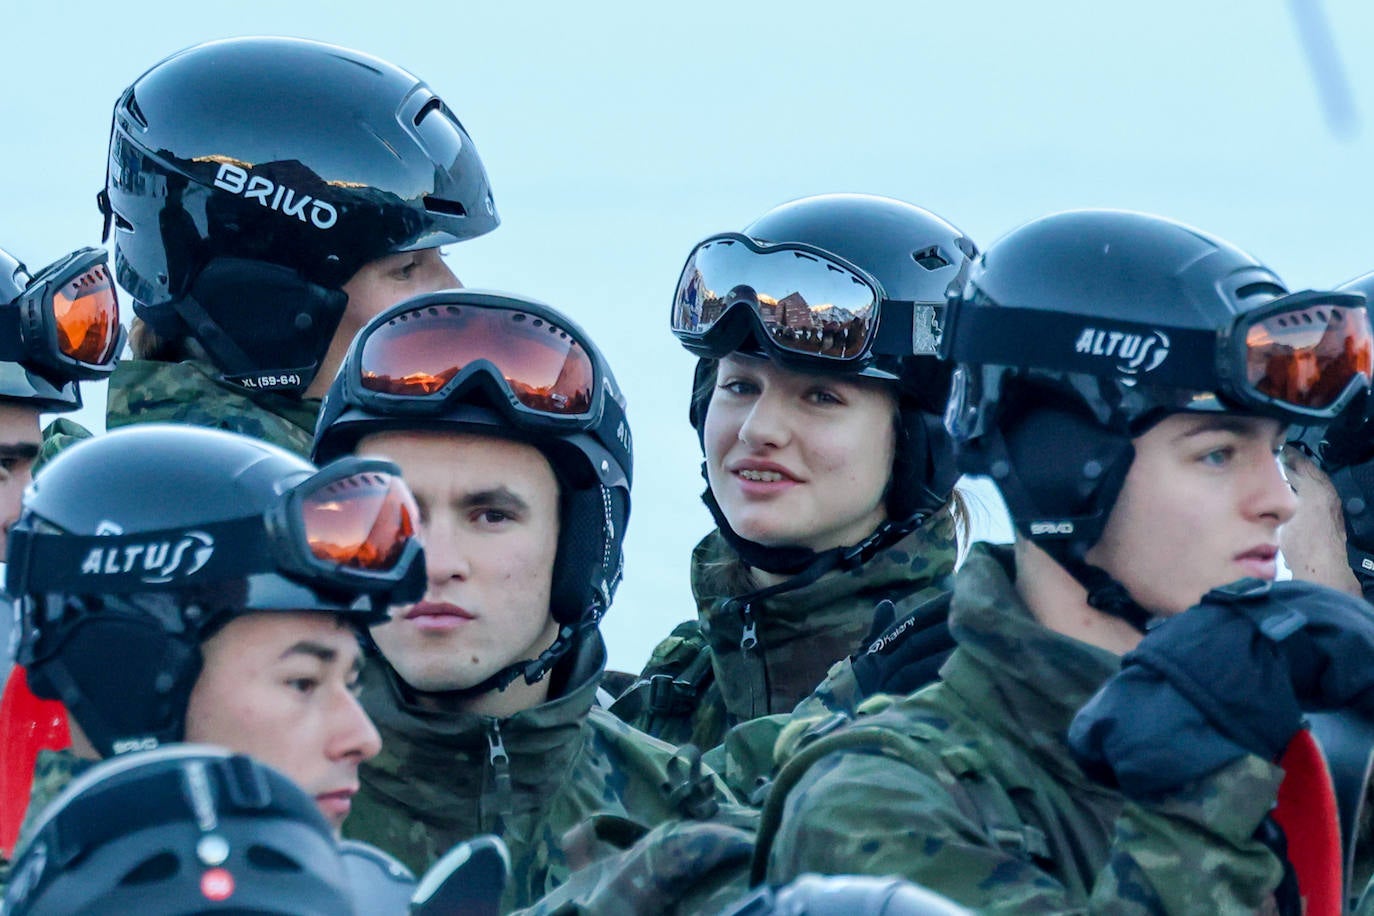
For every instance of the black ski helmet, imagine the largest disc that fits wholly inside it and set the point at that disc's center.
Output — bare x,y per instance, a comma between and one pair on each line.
914,255
180,830
1076,333
19,382
135,547
593,460
250,178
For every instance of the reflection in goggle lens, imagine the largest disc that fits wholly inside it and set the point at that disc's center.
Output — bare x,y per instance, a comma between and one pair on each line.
1308,357
418,353
363,521
804,303
86,311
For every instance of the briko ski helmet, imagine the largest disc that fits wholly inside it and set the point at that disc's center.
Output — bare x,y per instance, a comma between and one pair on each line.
250,178
135,547
885,269
496,364
1079,331
180,830
57,327
1344,450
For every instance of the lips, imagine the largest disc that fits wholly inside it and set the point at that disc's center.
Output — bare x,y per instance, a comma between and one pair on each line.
762,472
438,609
1261,561
336,805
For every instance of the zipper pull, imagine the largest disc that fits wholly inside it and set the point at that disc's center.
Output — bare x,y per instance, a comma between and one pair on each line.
500,771
749,639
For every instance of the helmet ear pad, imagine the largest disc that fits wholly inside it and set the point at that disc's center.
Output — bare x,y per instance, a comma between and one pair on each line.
590,536
141,694
1054,463
284,319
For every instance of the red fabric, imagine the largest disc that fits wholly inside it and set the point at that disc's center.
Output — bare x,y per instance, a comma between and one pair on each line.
1307,813
27,725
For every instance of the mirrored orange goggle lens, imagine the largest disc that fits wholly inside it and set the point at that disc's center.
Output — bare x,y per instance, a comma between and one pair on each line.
87,316
363,521
1308,357
416,354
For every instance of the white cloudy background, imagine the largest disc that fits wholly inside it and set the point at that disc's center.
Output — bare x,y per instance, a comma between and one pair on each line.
618,134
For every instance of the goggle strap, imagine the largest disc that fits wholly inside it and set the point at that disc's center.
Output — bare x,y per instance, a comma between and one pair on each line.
171,558
907,327
1166,357
12,348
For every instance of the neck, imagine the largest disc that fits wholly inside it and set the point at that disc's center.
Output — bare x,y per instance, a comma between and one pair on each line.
1060,603
499,704
81,745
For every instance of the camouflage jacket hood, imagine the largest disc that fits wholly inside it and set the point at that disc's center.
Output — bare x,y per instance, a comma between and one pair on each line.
145,391
800,632
444,777
985,803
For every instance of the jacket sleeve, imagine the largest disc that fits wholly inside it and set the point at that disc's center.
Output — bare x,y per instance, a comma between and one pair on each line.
863,812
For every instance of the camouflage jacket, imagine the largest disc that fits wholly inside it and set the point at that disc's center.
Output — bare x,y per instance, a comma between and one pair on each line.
714,682
52,772
968,787
444,777
144,391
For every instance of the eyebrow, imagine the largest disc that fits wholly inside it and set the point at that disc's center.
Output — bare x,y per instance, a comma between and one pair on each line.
494,497
325,654
22,451
1222,423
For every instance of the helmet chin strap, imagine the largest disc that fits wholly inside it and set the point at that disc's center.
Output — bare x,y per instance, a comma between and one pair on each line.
1105,593
532,670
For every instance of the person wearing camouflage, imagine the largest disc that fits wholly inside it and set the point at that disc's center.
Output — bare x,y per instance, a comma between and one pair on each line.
509,425
1105,737
249,281
809,554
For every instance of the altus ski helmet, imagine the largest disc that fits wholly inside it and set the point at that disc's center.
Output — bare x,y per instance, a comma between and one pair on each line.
180,830
57,326
837,283
495,364
250,178
135,547
1079,331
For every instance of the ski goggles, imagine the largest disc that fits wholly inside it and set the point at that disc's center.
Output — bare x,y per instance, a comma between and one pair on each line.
422,358
351,527
1302,357
66,321
797,300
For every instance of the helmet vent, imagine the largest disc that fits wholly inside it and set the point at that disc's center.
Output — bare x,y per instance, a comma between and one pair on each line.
135,112
160,867
1256,289
930,258
447,207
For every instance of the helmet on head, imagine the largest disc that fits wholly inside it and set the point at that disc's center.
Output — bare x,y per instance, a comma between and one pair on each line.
57,326
1344,450
250,178
1132,317
140,544
495,364
184,829
896,262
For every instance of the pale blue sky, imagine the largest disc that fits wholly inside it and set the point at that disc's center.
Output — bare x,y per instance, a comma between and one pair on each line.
617,135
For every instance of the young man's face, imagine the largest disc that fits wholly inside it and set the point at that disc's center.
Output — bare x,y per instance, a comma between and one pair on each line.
280,687
19,442
376,287
489,518
1201,506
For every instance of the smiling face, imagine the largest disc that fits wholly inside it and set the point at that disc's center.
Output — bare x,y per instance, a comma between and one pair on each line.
376,287
489,516
1200,507
799,459
280,687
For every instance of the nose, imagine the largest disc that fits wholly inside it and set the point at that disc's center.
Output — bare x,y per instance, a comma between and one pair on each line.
1273,499
353,737
767,424
445,555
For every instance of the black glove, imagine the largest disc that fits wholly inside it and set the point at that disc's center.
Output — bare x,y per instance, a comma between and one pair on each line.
904,655
1202,689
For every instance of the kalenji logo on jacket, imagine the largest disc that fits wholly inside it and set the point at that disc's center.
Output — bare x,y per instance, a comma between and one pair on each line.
1134,353
153,561
278,197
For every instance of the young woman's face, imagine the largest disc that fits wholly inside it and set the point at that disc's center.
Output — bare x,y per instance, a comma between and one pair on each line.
280,687
799,459
1200,507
